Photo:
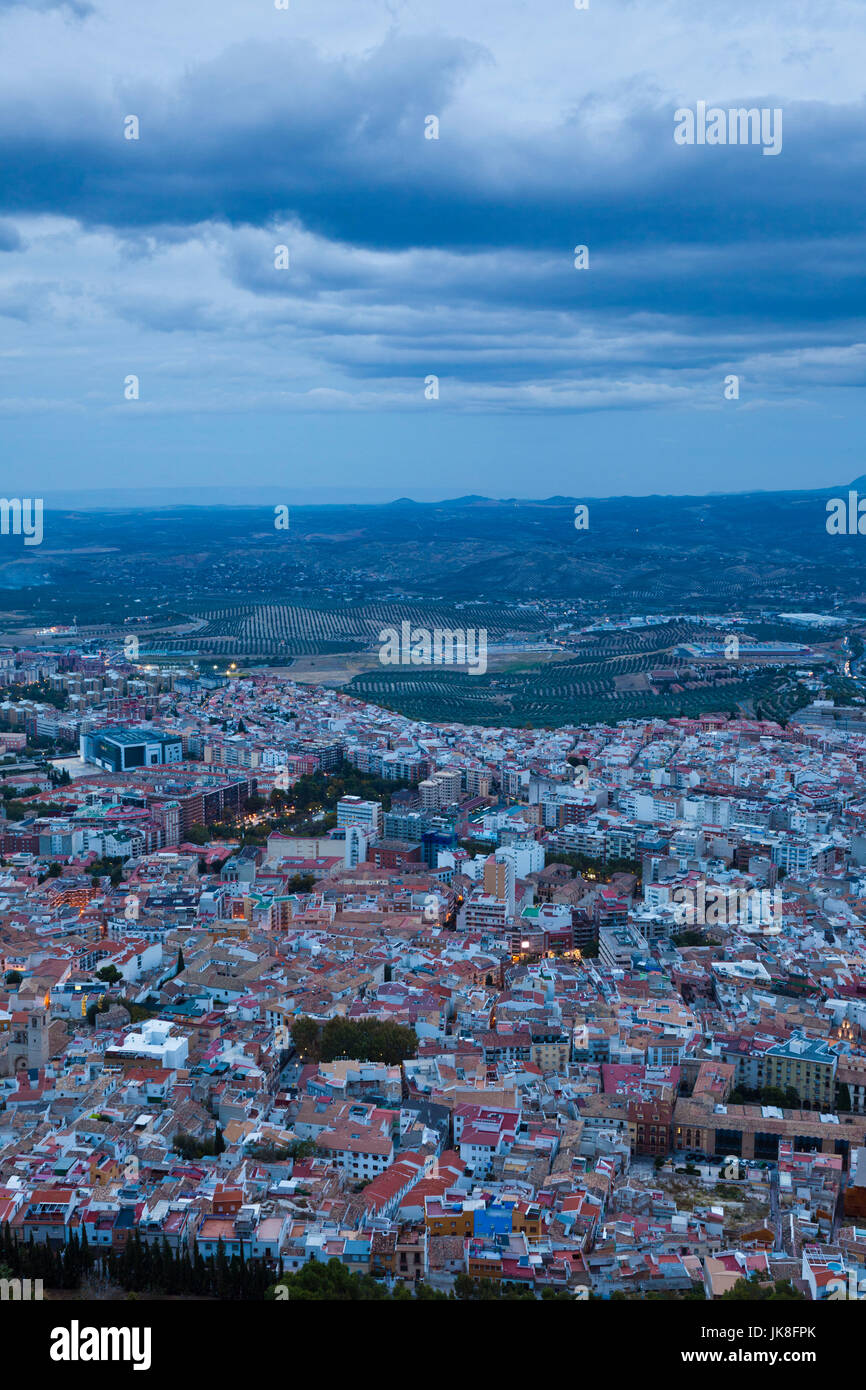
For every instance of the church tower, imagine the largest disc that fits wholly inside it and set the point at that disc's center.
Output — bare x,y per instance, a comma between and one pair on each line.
38,1024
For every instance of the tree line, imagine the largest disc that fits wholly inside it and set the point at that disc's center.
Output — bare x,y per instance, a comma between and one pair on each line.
334,1283
362,1040
139,1267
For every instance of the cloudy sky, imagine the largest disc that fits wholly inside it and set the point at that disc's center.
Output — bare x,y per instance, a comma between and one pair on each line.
412,257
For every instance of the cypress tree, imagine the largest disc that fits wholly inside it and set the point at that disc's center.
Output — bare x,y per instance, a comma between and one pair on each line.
221,1270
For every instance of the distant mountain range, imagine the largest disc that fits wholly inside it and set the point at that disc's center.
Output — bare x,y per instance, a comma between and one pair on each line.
121,499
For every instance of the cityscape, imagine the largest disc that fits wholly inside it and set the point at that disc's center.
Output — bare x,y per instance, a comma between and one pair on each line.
432,675
558,1012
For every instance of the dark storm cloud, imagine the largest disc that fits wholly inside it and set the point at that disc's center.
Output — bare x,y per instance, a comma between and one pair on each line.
787,282
339,144
409,256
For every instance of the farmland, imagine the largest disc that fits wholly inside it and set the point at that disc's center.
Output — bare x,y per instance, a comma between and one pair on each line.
532,676
286,630
311,602
533,700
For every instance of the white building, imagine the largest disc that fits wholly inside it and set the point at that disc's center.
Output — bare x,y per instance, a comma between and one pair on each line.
527,856
155,1041
353,810
356,847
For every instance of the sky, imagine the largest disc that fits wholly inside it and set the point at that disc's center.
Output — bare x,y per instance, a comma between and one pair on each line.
412,258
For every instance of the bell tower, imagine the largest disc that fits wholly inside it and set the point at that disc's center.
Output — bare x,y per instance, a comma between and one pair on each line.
38,1024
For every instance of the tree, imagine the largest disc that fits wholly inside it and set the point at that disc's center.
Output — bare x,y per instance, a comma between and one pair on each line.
109,974
301,883
275,1153
301,1148
486,1290
752,1290
189,1147
13,977
181,963
305,1036
331,1282
136,1012
689,938
197,835
367,1040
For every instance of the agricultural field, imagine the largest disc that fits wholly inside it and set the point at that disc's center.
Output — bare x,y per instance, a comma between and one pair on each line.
284,630
311,602
547,700
529,680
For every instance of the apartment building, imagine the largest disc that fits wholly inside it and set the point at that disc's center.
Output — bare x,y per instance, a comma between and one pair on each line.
368,815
